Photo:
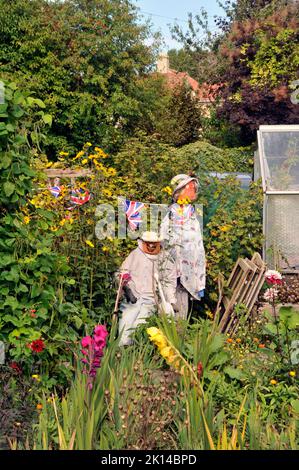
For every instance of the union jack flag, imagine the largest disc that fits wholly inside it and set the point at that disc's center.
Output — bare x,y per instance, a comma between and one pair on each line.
180,214
79,196
55,190
132,209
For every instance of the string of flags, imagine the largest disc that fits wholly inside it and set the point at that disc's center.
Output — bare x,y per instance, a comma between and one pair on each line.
78,197
134,210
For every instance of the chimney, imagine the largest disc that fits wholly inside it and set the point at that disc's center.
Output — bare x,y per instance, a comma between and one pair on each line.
163,63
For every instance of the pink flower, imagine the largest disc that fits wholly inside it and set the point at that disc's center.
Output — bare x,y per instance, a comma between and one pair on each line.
100,332
93,353
271,294
126,277
273,277
86,341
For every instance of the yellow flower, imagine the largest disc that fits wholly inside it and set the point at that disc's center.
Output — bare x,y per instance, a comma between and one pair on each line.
238,340
49,164
63,154
107,192
36,377
84,161
105,249
168,354
273,382
157,337
225,228
89,243
54,229
292,373
88,144
79,155
62,222
26,220
167,190
111,171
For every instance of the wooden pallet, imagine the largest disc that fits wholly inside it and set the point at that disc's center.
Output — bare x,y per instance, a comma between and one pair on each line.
243,287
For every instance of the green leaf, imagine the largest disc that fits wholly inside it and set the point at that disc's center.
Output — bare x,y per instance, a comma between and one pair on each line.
295,405
78,321
32,101
10,127
35,291
216,343
234,373
23,288
5,162
47,118
3,107
11,302
8,188
17,111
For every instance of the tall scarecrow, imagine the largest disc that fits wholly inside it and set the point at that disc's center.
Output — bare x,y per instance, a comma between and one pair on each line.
181,231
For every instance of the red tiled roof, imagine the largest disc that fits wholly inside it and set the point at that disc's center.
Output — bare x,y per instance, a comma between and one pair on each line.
205,92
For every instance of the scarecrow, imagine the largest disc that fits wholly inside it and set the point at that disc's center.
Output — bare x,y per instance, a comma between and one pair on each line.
181,231
148,281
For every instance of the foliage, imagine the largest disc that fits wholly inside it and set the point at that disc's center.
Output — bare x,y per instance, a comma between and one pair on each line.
254,56
183,60
182,118
263,62
232,225
30,268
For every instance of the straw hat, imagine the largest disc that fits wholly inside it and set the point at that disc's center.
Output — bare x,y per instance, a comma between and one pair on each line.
179,181
152,237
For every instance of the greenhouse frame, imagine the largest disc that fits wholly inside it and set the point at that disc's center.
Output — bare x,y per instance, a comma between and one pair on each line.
277,164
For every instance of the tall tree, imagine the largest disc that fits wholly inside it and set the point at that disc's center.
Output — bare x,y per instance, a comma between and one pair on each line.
84,58
263,58
182,119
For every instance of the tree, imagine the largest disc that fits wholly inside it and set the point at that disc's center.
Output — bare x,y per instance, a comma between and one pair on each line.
182,118
254,55
83,58
202,44
263,64
183,60
242,10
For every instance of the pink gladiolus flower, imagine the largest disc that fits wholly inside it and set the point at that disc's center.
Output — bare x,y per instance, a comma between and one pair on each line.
93,353
100,331
86,341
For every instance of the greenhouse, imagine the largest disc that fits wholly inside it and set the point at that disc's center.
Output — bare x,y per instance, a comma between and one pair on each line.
277,164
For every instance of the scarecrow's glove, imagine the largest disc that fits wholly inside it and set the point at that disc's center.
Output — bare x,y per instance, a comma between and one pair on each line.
130,297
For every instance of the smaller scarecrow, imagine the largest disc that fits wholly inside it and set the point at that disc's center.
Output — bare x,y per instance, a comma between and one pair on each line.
148,280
